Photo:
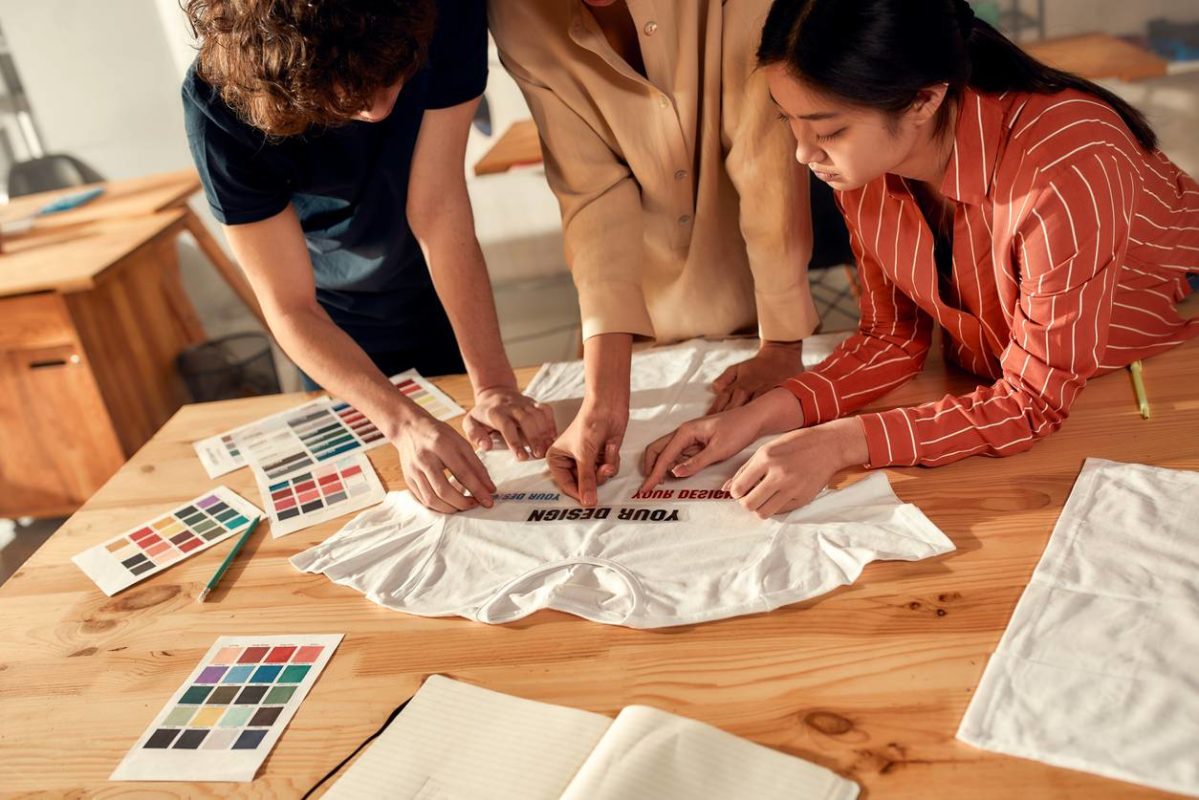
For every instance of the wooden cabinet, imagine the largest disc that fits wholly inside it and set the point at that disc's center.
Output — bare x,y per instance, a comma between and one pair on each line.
87,374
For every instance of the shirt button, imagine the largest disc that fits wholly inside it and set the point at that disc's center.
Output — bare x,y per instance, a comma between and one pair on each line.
680,175
683,220
650,28
663,101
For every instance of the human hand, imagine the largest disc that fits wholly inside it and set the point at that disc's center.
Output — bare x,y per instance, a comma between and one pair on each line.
789,471
771,365
587,453
525,425
428,449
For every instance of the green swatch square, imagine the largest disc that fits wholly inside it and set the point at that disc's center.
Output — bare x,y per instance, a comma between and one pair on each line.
294,673
279,694
195,694
180,715
237,716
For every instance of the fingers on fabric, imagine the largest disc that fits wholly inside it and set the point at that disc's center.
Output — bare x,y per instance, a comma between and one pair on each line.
668,455
471,473
477,432
609,465
564,472
725,379
540,429
424,492
513,436
697,458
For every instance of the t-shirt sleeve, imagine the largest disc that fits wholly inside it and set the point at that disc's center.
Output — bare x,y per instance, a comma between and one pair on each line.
458,53
240,181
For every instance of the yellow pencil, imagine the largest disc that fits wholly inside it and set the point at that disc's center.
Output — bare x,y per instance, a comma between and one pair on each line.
1138,387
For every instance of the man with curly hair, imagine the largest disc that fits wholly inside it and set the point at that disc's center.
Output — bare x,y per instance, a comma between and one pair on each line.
330,136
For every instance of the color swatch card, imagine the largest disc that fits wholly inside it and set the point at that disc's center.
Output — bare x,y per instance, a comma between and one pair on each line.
420,391
147,549
319,494
225,452
301,440
225,718
221,454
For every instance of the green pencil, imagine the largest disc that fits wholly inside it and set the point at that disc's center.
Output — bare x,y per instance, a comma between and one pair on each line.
1138,387
216,577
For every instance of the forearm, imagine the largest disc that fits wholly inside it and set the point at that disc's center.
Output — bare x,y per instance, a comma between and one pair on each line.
335,361
460,277
607,359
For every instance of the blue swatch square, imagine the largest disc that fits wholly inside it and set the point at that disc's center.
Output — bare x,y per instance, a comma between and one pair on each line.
238,674
266,674
249,739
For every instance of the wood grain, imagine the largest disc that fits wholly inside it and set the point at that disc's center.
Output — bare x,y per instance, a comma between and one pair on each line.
870,680
518,146
1097,56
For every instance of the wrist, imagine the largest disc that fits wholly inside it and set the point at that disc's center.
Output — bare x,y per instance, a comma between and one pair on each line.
399,420
777,411
791,347
491,379
849,438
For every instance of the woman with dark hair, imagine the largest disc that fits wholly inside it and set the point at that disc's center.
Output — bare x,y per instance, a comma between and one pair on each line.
1024,210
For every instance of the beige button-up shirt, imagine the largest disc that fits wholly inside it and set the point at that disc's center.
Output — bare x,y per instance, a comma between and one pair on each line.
684,211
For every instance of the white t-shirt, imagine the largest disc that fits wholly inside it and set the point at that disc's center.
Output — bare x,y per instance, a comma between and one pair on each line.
686,554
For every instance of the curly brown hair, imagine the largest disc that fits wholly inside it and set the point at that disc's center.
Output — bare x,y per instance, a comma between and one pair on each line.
285,66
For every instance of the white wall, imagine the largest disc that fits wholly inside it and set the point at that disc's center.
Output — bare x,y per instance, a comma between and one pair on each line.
102,80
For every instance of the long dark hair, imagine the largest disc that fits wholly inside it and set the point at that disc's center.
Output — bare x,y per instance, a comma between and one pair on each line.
881,53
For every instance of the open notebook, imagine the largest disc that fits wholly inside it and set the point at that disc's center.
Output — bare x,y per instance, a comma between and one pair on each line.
455,741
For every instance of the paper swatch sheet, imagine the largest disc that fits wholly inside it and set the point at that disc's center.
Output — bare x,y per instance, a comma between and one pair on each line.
225,718
319,494
151,547
313,432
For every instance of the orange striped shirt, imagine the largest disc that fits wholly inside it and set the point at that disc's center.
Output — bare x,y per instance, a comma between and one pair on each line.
1071,247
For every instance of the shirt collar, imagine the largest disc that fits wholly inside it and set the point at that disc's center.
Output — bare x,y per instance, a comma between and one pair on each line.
976,147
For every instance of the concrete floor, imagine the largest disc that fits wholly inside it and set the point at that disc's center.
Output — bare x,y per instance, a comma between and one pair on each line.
539,318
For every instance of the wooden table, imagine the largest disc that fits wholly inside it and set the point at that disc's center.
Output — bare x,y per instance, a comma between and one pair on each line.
1097,56
870,680
518,146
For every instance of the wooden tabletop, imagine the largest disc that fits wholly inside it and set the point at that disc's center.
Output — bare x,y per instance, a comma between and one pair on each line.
69,258
518,146
870,680
1098,55
130,197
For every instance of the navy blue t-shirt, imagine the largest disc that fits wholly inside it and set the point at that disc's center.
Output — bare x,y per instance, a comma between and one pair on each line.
349,185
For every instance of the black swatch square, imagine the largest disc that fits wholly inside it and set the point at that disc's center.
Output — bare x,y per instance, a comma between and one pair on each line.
161,739
191,738
251,695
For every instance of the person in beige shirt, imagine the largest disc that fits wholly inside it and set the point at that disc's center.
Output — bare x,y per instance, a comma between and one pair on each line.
684,211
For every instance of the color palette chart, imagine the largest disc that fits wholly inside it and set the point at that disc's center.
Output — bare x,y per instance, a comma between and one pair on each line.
319,494
225,718
332,419
298,441
167,539
420,391
222,454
